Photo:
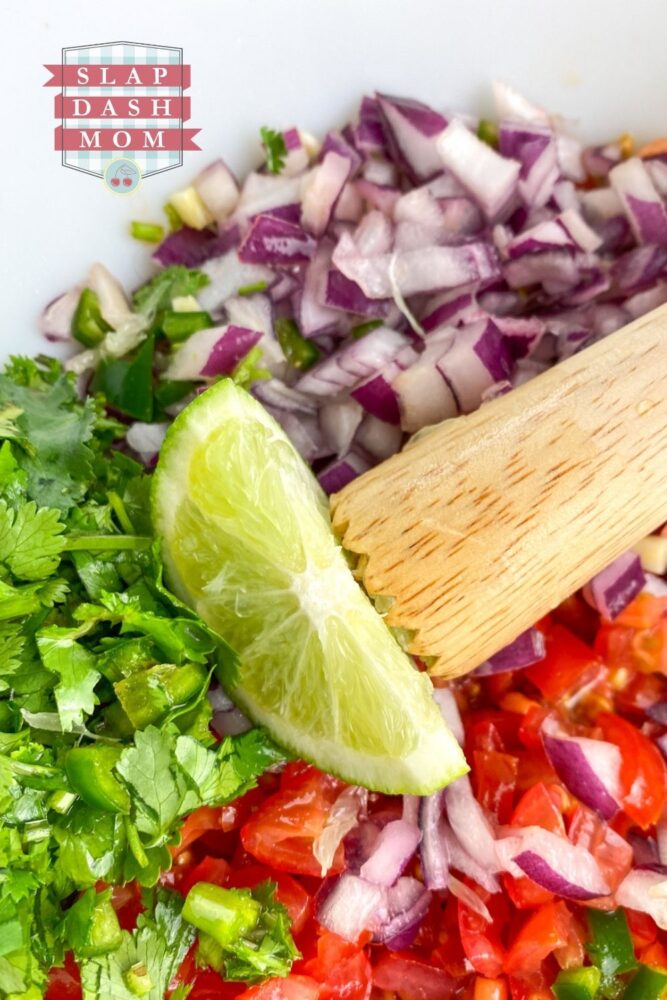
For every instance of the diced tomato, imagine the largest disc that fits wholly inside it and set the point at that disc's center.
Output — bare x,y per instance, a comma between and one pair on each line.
494,776
524,893
627,648
644,612
540,806
612,853
218,820
65,982
568,665
209,869
289,892
643,772
126,901
449,954
490,989
533,768
578,616
482,942
292,988
654,954
545,930
643,928
208,985
640,693
530,730
342,968
282,830
487,729
572,954
412,979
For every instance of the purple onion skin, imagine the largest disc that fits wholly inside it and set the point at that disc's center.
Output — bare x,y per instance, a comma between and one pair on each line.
537,869
570,764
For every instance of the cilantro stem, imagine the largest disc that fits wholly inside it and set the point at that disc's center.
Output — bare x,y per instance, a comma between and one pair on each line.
100,543
119,510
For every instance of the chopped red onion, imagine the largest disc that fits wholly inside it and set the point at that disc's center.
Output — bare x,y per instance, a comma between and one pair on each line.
434,851
412,129
341,293
297,158
477,357
343,817
378,438
354,362
211,352
339,421
469,898
393,850
192,247
469,823
229,349
588,768
424,397
262,192
276,242
461,861
323,191
226,275
380,196
490,178
335,142
146,439
551,861
642,204
527,648
343,470
351,907
314,317
218,189
378,398
446,702
645,890
231,722
405,906
611,590
56,320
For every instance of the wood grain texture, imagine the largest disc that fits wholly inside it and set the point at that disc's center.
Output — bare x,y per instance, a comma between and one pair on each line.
491,520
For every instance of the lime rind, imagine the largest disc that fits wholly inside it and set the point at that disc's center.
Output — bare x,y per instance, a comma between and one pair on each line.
247,542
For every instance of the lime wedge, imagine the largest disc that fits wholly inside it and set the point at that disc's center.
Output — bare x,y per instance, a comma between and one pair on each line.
247,542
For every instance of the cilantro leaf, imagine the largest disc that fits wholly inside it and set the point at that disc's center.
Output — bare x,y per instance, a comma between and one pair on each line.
276,149
58,462
74,665
30,540
168,284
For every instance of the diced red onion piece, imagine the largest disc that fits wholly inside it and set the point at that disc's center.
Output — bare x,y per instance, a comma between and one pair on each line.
297,158
229,350
56,320
611,590
446,702
469,824
343,817
378,398
469,898
350,205
490,178
339,421
275,394
114,304
462,861
449,308
514,107
217,188
343,470
192,247
378,438
262,192
231,722
643,205
335,142
434,851
405,906
341,293
382,197
527,648
373,235
424,397
322,192
645,890
146,439
226,275
211,352
412,129
551,861
590,769
394,848
411,805
354,362
477,357
351,907
275,241
315,318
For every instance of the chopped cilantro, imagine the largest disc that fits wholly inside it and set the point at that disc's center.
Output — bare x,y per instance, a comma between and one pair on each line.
275,148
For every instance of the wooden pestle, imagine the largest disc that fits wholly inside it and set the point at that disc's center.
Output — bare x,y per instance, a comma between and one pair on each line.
488,521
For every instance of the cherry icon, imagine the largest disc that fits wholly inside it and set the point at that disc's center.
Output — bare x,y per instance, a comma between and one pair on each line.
115,181
127,181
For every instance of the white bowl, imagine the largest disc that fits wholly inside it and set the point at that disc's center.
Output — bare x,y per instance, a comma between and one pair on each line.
283,62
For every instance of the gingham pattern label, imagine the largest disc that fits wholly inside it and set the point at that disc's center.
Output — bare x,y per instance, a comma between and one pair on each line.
113,127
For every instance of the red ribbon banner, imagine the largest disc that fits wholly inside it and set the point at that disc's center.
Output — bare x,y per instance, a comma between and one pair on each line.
122,107
119,75
123,139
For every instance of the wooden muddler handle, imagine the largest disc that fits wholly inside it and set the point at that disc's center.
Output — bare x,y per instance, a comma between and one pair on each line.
490,520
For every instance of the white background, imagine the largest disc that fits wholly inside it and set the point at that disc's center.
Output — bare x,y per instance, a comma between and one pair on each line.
281,63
